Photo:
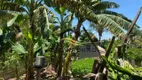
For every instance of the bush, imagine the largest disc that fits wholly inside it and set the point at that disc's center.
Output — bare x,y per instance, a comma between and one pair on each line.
82,67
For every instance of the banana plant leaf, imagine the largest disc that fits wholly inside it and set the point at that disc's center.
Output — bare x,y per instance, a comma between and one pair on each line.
18,48
127,71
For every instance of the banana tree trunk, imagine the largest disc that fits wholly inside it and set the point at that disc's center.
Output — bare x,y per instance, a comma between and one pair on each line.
68,57
60,57
30,45
100,39
29,74
77,31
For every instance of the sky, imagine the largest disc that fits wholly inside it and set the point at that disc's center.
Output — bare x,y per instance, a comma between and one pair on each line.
128,8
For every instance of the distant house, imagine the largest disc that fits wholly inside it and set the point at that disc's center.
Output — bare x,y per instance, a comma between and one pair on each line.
88,50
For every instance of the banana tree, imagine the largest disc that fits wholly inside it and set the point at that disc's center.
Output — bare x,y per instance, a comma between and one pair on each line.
63,25
26,13
100,29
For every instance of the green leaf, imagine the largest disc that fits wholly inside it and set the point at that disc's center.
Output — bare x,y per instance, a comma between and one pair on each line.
71,41
127,71
1,32
18,48
41,19
48,2
105,5
57,10
110,24
36,47
19,18
62,10
11,22
29,35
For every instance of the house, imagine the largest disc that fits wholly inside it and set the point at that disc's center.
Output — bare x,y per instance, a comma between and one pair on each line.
88,50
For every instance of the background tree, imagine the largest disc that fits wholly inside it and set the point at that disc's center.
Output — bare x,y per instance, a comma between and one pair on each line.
98,28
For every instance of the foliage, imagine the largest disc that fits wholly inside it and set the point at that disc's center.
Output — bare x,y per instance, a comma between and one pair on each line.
82,67
134,53
124,68
107,19
29,28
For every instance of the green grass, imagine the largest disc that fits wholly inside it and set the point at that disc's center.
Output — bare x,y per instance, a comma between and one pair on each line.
82,67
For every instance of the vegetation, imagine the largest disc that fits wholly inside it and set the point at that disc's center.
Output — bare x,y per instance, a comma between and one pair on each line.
82,67
30,28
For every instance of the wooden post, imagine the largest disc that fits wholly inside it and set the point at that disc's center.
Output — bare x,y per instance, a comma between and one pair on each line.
101,67
119,52
96,63
91,41
38,74
94,68
130,30
110,46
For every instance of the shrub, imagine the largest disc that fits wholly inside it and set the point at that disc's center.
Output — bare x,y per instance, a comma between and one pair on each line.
82,67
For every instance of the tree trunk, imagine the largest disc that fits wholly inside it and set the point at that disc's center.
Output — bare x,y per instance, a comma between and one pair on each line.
100,31
29,75
68,57
100,39
30,45
77,31
60,56
16,72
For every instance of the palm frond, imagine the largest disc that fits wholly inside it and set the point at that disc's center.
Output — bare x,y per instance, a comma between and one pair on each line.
12,21
41,20
90,2
105,5
77,7
111,13
124,23
67,25
110,24
73,42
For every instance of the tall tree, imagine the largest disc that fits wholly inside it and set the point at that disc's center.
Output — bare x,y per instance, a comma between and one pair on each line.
100,29
64,24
